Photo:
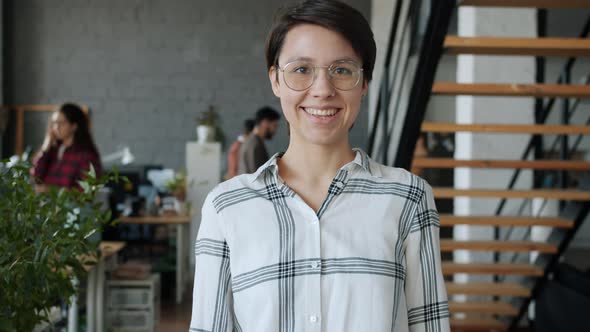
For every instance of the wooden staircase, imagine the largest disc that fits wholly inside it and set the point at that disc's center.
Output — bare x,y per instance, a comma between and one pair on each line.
494,315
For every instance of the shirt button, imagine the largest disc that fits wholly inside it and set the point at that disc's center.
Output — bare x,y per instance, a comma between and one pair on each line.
313,319
314,265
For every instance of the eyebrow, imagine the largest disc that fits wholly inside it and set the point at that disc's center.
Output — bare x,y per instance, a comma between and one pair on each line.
304,58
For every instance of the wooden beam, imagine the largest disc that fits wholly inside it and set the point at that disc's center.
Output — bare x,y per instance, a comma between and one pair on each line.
477,324
447,245
558,47
528,3
513,90
450,268
488,307
450,220
443,127
570,195
570,165
41,108
488,288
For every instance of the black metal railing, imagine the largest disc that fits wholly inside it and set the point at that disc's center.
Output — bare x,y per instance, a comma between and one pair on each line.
407,44
560,146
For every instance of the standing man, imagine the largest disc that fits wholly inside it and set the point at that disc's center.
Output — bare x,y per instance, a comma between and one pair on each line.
253,152
233,155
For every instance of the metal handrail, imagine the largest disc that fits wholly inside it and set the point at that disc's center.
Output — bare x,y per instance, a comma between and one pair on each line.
432,43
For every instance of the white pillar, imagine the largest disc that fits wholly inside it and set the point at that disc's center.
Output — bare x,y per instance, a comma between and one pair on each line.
469,109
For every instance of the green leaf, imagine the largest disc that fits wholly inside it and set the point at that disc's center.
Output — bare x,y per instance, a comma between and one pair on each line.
85,186
92,172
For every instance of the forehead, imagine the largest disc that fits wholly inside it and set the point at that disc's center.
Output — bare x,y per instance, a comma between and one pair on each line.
316,43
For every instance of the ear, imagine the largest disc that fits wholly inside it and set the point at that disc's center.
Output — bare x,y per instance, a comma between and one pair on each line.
365,88
274,81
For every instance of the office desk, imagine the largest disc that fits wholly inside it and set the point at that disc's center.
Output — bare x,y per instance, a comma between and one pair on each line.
95,289
182,224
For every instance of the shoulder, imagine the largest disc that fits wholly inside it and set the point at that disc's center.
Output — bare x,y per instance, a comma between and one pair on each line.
233,186
415,186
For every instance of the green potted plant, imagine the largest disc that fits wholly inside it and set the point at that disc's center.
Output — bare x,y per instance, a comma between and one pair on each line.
43,237
177,186
208,126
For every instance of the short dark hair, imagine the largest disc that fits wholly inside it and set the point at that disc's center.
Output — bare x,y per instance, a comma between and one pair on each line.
330,14
267,113
249,125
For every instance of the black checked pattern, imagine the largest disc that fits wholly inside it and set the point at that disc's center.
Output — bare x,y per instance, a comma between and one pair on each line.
273,193
378,248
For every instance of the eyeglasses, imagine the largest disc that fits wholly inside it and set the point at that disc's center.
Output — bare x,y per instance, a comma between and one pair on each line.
58,123
343,75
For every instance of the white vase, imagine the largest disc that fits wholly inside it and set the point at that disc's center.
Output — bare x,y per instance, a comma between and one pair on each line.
205,134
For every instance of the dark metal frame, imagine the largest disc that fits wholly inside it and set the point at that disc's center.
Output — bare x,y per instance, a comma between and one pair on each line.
432,49
430,53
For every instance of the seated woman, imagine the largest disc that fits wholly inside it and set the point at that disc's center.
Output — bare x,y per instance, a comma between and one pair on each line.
67,151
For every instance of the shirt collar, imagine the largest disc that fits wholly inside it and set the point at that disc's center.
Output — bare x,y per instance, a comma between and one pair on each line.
361,160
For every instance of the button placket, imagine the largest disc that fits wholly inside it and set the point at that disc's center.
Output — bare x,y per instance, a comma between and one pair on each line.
314,299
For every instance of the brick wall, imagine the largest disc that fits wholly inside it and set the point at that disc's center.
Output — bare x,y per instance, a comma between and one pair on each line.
146,67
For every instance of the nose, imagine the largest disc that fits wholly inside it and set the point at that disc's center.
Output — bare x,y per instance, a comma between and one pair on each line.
322,87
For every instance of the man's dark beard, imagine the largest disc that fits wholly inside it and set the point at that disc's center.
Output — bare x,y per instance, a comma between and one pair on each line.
268,135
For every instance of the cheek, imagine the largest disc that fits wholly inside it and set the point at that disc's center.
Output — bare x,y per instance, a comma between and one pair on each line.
290,101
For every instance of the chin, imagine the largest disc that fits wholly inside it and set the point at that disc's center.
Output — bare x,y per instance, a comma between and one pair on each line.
322,140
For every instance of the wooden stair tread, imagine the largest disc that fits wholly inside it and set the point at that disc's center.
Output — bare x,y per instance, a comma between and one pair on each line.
528,3
473,324
451,220
488,288
562,194
563,47
450,268
447,245
570,165
444,127
484,307
518,90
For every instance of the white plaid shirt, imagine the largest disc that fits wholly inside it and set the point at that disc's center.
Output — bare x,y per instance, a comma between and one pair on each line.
368,260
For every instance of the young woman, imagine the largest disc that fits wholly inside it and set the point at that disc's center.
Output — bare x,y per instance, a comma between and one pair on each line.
67,151
320,238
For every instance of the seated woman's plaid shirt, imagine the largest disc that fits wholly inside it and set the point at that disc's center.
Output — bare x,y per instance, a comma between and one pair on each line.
368,260
49,169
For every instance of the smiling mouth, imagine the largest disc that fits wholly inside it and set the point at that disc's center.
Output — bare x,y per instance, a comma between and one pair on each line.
321,112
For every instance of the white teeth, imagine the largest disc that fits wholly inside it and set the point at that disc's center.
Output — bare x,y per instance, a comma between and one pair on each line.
328,112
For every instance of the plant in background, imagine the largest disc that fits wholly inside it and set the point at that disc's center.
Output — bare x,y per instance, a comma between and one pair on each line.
209,126
177,186
209,118
43,239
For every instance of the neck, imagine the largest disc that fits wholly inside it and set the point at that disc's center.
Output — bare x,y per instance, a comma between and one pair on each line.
312,163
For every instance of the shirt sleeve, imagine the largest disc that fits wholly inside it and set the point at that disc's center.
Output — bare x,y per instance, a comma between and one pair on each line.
212,294
41,164
86,159
426,295
232,160
249,158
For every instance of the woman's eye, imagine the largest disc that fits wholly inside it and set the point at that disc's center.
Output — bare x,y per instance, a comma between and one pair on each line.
302,70
342,71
